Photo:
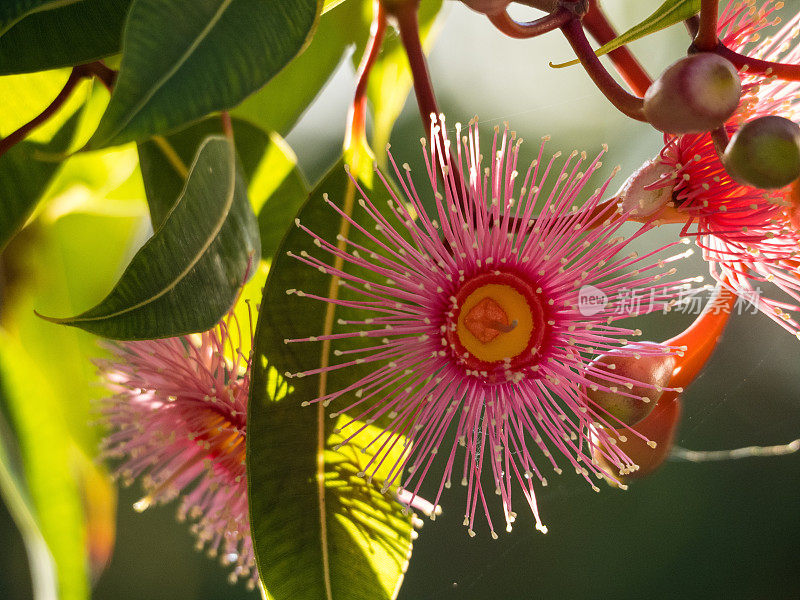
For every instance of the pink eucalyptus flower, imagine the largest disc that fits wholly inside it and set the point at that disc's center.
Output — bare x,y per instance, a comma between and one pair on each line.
178,423
745,233
485,320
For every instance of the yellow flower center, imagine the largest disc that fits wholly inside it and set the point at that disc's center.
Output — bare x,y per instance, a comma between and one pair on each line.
498,326
495,323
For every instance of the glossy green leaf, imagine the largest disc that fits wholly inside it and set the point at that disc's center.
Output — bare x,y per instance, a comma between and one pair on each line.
213,54
187,275
279,104
275,186
25,172
164,161
319,531
666,15
72,34
12,11
46,451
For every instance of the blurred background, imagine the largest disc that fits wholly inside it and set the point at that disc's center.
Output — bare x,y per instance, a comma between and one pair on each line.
712,530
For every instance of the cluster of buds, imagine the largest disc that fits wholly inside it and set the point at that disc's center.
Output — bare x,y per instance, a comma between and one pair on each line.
698,93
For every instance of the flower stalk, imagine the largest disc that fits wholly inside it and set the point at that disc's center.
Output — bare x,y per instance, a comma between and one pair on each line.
79,73
623,101
706,39
629,68
528,29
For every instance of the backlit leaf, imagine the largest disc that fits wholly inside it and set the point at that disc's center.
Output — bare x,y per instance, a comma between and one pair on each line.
25,171
187,275
47,452
318,530
279,104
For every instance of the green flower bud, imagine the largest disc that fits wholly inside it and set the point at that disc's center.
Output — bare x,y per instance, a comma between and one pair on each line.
764,153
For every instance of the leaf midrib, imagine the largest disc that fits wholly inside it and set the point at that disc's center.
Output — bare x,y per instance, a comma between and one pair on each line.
171,72
330,309
211,238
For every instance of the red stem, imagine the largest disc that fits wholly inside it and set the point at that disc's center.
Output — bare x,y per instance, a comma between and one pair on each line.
629,68
357,116
755,66
529,29
80,72
423,89
785,71
406,16
706,39
227,125
20,134
106,75
629,105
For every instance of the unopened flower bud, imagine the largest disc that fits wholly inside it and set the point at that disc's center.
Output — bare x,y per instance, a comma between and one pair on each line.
695,94
764,153
648,190
611,374
658,429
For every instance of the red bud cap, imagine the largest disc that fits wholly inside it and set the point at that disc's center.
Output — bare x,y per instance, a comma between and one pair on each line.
658,429
764,153
697,93
628,387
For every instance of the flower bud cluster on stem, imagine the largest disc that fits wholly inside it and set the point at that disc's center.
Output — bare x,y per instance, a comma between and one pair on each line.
698,93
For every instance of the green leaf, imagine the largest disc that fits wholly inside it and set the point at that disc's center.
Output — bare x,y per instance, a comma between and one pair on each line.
47,456
66,258
210,57
187,275
318,530
25,172
666,15
15,495
267,161
73,34
13,10
277,191
330,5
23,97
164,161
279,104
